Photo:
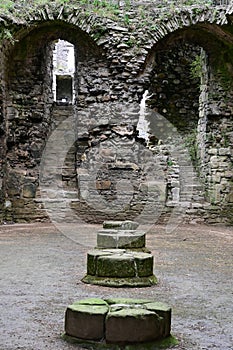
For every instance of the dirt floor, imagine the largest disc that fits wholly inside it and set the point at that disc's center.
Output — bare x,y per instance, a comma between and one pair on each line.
41,269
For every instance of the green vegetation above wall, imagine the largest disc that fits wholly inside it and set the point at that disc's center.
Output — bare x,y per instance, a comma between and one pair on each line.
22,6
19,12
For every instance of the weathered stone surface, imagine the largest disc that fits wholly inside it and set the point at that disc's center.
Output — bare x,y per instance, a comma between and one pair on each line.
29,191
120,239
92,258
136,282
116,266
118,320
121,225
107,239
132,326
129,225
86,321
115,63
119,267
112,224
144,264
164,311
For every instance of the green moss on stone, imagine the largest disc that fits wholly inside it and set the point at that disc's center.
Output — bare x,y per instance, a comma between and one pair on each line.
144,264
157,306
91,301
92,257
89,309
121,282
126,301
130,312
166,343
115,266
164,311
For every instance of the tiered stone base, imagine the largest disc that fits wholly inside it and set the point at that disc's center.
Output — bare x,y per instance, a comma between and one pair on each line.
99,322
121,258
119,267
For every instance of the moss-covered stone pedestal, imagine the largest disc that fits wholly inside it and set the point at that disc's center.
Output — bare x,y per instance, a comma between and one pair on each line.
117,323
120,258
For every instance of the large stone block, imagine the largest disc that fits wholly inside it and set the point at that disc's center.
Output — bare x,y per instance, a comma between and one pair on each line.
107,238
132,325
92,258
116,265
119,267
144,264
164,311
124,239
131,239
86,320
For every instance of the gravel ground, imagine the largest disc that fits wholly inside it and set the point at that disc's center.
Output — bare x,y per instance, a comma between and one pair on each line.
41,269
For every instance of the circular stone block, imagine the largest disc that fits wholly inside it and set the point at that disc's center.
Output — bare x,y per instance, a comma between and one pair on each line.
118,321
124,239
119,267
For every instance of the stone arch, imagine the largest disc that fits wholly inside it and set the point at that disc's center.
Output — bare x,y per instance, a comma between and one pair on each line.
191,24
216,43
30,114
120,53
212,144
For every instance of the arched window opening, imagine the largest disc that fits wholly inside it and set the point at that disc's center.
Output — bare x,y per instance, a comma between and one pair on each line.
63,72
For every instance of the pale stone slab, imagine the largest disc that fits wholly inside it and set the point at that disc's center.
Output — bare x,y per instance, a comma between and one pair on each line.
121,239
121,225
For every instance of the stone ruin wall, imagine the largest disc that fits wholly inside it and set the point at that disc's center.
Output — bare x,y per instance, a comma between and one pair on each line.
27,123
111,73
2,148
216,163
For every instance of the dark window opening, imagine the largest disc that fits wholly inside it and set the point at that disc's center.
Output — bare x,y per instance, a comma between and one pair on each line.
64,88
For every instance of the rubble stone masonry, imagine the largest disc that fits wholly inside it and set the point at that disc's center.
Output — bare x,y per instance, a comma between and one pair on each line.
181,56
